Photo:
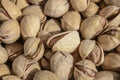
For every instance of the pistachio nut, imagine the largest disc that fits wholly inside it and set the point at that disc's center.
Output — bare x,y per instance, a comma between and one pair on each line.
66,42
107,75
14,50
113,2
71,21
110,39
109,11
3,55
112,62
13,11
35,1
9,31
24,68
45,75
30,25
33,48
91,50
36,10
80,5
4,70
10,77
93,26
84,70
96,1
57,61
56,8
91,10
3,15
118,49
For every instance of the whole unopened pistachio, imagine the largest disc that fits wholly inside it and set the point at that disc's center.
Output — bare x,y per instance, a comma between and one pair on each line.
45,60
45,75
110,39
13,11
61,65
9,31
3,55
107,75
56,8
36,10
91,10
21,4
93,26
4,70
113,2
14,50
66,42
30,25
109,11
10,77
71,21
112,61
80,5
84,70
35,1
33,48
91,50
24,68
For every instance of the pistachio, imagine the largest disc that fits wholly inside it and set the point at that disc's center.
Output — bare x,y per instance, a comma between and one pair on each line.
13,11
57,61
113,2
96,1
45,75
9,31
93,26
56,8
3,15
10,77
33,49
35,1
91,50
14,50
30,25
71,21
4,70
80,5
84,70
36,10
66,42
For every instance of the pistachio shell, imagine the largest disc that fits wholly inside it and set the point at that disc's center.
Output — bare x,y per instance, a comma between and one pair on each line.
9,31
35,1
4,70
56,8
3,15
10,77
13,11
57,61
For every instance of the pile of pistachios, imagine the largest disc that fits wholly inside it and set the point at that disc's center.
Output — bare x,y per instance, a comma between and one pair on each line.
59,39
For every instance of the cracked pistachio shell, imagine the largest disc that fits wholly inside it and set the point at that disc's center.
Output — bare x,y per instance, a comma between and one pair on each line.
45,60
56,8
66,42
4,70
13,11
24,68
110,39
113,2
3,55
33,48
57,61
115,21
10,77
93,26
3,15
21,4
14,50
80,5
45,75
35,1
30,25
91,10
112,61
36,10
9,31
91,50
109,11
84,70
71,21
107,75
